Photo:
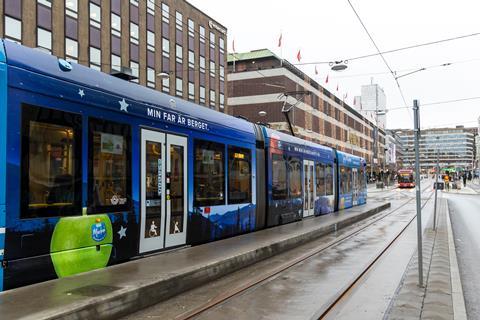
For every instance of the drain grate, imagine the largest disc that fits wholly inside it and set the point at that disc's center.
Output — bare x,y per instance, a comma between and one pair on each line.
93,290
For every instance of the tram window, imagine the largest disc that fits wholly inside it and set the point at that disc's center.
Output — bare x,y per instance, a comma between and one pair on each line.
320,178
329,180
108,166
348,180
342,179
279,177
51,163
239,175
209,178
295,177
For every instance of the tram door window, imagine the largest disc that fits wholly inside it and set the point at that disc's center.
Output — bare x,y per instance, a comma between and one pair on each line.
163,190
355,185
51,163
295,177
308,188
320,179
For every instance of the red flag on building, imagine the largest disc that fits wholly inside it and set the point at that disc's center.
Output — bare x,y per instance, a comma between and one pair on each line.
337,87
316,71
233,45
326,79
299,56
345,97
354,100
280,40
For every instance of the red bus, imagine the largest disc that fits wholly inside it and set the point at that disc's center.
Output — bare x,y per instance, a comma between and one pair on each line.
406,178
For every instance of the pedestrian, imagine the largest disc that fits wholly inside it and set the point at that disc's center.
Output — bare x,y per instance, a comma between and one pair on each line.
446,179
469,175
464,179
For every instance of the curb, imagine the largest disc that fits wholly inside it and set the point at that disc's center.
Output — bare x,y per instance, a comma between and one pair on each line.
130,299
459,310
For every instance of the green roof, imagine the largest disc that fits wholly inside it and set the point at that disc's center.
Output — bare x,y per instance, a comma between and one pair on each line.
252,55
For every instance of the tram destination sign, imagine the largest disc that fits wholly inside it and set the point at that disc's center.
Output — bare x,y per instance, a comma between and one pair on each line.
177,119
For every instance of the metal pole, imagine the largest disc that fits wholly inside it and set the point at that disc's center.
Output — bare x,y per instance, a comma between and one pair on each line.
416,120
436,188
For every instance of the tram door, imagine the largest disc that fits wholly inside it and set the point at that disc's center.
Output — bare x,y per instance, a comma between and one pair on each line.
163,191
355,186
308,188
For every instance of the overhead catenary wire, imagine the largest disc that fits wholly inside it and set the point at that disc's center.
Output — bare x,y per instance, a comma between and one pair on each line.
381,55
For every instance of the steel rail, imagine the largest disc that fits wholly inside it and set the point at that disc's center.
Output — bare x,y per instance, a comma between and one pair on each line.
265,276
342,294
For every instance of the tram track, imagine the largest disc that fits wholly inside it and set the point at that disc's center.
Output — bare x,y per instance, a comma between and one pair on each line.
258,280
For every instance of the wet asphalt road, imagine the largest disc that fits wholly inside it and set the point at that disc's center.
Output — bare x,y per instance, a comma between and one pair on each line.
465,217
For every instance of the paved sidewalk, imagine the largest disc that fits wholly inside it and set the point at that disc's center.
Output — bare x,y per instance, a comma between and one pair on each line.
442,296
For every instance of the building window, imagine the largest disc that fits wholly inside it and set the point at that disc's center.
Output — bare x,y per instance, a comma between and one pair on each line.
202,34
239,175
71,8
222,101
95,15
166,47
209,174
151,41
51,180
191,59
151,7
95,58
178,20
116,63
178,53
179,87
202,64
165,13
133,33
222,72
116,24
166,85
151,77
202,95
109,166
44,39
222,45
191,91
13,28
191,28
46,3
135,71
212,98
212,41
212,68
71,49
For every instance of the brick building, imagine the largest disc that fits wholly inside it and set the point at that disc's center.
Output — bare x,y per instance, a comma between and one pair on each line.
168,45
256,80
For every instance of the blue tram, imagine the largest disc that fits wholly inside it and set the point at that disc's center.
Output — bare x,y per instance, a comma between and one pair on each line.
95,170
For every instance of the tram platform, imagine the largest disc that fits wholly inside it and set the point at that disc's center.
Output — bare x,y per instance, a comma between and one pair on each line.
125,288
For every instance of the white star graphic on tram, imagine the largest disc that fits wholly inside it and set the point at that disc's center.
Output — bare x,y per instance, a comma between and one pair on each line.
122,232
123,105
81,93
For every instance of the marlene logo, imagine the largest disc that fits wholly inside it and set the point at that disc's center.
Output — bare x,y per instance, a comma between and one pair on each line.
99,231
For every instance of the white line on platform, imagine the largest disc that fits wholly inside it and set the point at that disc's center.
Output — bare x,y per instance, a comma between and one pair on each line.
459,311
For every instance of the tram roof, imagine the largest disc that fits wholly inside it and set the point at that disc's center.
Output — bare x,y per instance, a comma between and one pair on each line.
42,63
273,134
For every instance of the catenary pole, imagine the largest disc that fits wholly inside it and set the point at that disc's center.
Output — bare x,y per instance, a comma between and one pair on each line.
436,188
416,119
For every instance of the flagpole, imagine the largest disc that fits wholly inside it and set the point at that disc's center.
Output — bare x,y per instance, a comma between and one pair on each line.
281,48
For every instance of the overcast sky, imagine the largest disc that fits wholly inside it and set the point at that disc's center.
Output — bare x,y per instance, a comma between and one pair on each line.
329,30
